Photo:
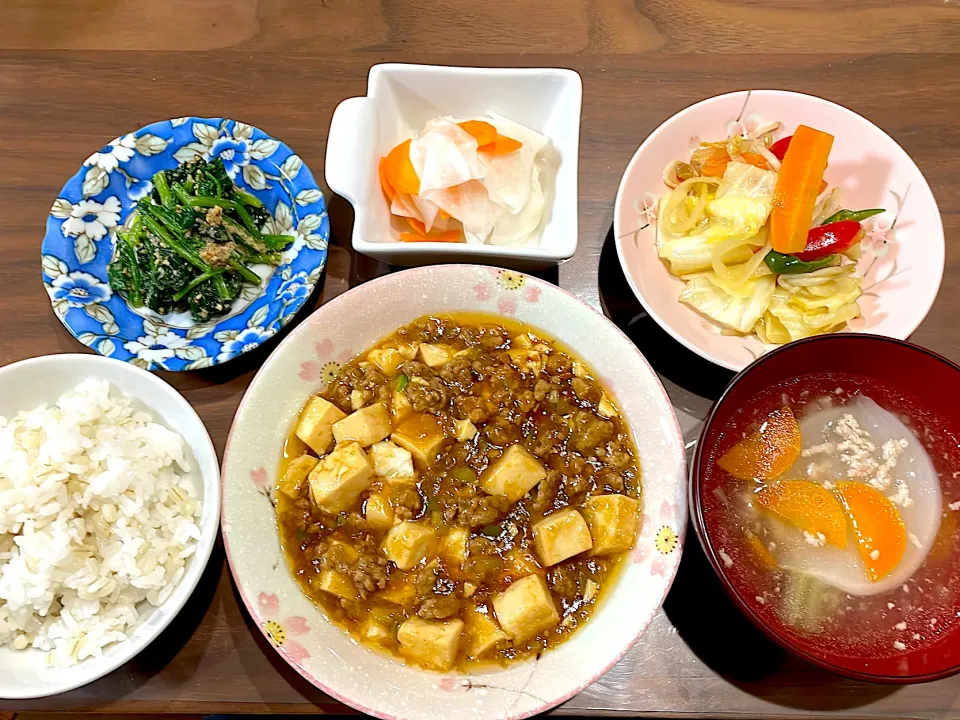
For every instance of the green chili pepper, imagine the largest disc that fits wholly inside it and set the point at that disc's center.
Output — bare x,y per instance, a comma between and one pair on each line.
402,383
791,265
858,215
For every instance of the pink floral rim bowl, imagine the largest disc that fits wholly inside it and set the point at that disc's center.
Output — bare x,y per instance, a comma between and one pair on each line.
327,656
903,251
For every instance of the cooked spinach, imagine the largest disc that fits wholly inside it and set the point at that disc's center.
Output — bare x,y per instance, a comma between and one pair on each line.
191,243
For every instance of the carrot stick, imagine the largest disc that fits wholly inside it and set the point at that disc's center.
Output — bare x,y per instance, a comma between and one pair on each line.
798,184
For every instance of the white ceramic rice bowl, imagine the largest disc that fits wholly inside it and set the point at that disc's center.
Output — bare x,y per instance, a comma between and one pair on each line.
327,656
25,385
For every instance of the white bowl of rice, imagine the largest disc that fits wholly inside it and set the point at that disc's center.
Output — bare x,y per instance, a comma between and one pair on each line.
109,507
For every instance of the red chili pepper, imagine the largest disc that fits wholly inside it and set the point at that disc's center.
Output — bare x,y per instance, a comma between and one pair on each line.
779,148
829,239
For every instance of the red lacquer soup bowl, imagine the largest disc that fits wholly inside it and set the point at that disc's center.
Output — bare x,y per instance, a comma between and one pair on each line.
910,632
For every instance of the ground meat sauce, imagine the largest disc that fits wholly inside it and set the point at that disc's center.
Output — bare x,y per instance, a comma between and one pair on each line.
432,555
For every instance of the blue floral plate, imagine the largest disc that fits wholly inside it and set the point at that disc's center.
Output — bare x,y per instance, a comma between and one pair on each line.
79,244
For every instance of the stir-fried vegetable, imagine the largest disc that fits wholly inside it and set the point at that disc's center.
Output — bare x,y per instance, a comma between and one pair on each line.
191,242
798,185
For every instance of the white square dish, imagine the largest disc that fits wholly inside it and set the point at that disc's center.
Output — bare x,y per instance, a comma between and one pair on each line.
401,99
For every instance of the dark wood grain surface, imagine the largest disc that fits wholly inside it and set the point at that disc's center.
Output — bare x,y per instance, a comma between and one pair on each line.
75,73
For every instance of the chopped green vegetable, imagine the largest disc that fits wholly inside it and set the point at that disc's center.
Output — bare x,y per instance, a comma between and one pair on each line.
491,531
791,265
191,243
858,215
402,383
464,475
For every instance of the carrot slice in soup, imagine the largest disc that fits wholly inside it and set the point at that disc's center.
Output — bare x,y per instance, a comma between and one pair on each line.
384,183
806,506
877,524
484,132
399,171
767,453
798,185
501,146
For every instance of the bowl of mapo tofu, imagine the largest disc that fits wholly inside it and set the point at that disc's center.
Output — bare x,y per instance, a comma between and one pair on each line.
454,478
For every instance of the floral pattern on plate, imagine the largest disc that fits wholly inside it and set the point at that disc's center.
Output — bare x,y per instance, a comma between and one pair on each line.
81,232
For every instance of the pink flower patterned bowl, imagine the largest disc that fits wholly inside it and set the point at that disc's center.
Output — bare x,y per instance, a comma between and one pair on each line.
903,256
326,655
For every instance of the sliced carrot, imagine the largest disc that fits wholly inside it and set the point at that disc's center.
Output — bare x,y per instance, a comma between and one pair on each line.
878,526
484,132
823,186
418,227
806,506
798,184
451,236
399,171
501,146
768,452
384,183
756,160
715,167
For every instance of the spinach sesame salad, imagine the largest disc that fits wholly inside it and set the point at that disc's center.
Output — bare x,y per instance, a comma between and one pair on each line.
192,242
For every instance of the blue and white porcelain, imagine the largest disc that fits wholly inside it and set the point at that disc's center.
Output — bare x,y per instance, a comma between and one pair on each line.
79,244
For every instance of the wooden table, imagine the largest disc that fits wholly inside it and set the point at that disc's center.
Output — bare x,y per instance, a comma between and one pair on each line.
74,74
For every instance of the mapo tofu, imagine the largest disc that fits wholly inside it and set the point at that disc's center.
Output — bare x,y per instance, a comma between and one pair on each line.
461,493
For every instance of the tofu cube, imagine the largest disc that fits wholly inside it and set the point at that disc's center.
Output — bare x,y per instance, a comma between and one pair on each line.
407,350
376,632
434,355
469,589
433,643
526,360
392,462
522,341
453,547
400,407
606,408
514,474
466,431
378,512
481,633
408,543
296,473
614,522
338,584
521,563
386,359
400,590
422,435
526,608
561,535
315,426
342,552
340,477
365,426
